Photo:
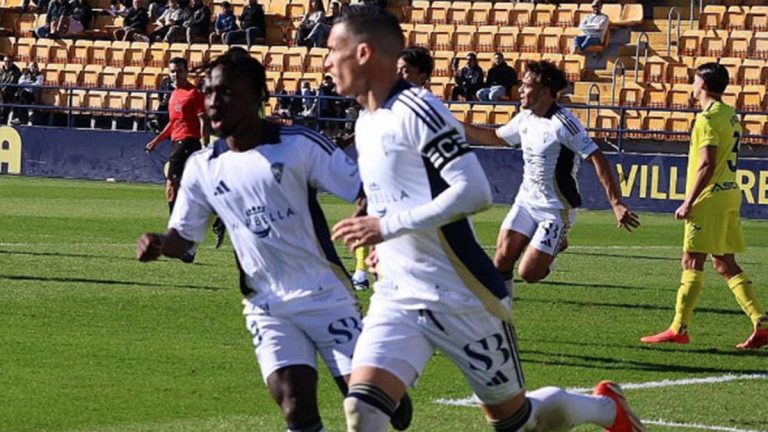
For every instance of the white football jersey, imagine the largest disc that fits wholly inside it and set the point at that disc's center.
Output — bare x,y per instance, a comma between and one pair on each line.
267,198
410,151
553,147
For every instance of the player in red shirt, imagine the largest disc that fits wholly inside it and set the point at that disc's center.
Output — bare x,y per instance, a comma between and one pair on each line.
187,125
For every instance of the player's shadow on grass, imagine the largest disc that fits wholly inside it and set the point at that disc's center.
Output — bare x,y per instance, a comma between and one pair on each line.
74,255
24,278
586,285
625,256
628,306
614,363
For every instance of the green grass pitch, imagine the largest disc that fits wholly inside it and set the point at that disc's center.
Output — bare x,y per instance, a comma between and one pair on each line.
92,340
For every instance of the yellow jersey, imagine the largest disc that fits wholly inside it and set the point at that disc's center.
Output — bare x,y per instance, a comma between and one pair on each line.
717,126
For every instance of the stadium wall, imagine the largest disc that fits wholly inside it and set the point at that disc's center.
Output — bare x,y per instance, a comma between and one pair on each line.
654,183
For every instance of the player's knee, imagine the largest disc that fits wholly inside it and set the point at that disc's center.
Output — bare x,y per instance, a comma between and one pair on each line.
532,274
503,261
364,417
298,411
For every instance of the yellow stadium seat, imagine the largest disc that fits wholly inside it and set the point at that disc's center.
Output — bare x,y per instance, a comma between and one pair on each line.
93,101
573,66
294,59
90,75
520,15
295,11
71,75
713,43
680,125
441,38
82,51
273,78
712,17
484,38
109,77
420,35
753,124
631,14
564,15
757,19
277,7
418,12
735,17
654,123
136,54
633,123
115,101
442,61
259,52
732,65
555,58
501,114
655,96
52,74
157,54
731,95
654,70
137,103
437,86
28,22
678,73
479,114
606,119
549,40
315,60
485,61
43,51
528,40
464,38
566,39
631,96
500,13
543,15
177,50
198,54
290,81
690,42
752,72
59,51
759,46
117,52
438,12
457,13
149,78
479,13
25,49
737,43
216,50
751,98
129,77
459,110
506,39
679,96
100,51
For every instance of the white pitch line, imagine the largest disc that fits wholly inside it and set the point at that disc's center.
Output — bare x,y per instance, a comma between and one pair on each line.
473,401
696,426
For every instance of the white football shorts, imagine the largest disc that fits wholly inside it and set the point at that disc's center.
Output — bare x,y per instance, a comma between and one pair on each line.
296,339
547,229
482,346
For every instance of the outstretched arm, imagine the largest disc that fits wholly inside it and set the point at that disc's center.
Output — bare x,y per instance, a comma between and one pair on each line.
483,136
624,216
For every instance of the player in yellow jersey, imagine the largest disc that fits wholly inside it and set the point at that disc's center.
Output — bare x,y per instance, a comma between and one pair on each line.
711,212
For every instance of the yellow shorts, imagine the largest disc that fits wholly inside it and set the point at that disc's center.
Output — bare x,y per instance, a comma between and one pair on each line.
713,229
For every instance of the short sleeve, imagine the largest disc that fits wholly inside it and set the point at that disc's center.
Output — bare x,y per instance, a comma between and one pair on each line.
573,135
510,132
199,103
191,210
332,171
706,136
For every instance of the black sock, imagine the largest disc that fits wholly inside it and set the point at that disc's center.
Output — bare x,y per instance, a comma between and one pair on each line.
314,427
515,422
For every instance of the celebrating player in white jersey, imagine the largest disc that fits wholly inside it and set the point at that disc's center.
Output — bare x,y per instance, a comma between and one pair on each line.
262,180
437,288
553,143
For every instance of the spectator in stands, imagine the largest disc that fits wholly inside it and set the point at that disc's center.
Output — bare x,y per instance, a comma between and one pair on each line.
31,79
40,6
56,10
469,79
501,78
173,15
381,4
313,30
593,28
225,23
335,13
135,21
327,106
196,25
77,16
253,25
415,65
9,74
307,99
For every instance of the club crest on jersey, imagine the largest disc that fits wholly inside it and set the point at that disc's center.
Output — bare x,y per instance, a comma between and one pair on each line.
277,171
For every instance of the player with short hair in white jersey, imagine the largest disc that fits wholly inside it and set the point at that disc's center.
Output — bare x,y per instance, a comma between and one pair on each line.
553,144
262,179
437,289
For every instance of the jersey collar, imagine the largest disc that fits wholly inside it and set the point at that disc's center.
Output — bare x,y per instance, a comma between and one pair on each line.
270,134
399,87
552,111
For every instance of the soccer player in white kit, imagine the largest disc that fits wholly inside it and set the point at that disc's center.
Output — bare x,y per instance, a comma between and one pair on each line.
437,289
553,143
262,180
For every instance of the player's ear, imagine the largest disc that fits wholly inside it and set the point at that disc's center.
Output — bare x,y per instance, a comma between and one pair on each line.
364,51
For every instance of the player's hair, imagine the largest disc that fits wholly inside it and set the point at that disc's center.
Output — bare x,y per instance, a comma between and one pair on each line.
374,26
179,61
226,5
715,77
548,75
419,58
239,64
